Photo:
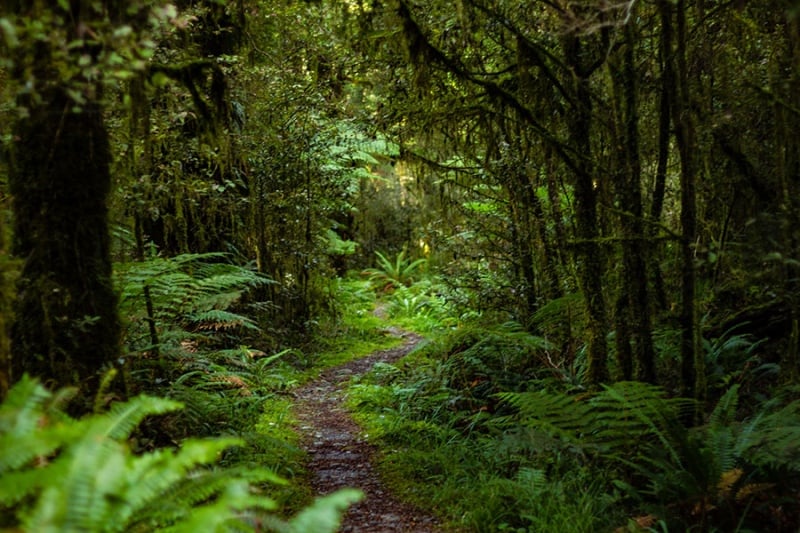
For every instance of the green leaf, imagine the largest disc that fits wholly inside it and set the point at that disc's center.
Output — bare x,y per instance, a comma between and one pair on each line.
325,514
9,32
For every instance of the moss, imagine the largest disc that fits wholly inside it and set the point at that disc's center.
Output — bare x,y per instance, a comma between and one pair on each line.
66,328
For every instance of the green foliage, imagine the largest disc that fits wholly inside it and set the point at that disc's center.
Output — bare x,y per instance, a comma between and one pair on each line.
353,328
460,441
195,293
439,454
475,362
734,358
399,272
61,474
716,473
420,307
124,41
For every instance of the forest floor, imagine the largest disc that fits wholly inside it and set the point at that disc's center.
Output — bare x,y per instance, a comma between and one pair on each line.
341,457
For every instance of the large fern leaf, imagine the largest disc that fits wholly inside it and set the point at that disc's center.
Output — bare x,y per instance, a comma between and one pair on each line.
90,481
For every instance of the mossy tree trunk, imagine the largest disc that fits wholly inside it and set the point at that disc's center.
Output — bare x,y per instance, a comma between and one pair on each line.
66,329
788,165
674,35
6,290
633,321
588,250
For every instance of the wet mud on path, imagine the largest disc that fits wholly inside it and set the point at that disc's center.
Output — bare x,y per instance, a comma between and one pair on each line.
340,457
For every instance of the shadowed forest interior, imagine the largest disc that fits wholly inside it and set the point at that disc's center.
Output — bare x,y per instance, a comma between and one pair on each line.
589,211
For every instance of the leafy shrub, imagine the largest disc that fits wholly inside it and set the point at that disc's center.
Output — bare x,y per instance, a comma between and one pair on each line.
58,474
420,307
474,363
473,426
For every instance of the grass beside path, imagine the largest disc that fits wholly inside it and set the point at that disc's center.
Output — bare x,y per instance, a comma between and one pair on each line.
354,332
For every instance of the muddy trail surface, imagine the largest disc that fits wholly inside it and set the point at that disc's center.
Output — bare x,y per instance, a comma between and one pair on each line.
340,457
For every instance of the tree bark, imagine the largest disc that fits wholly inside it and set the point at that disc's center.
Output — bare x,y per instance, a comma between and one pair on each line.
633,248
6,291
66,329
588,251
660,184
676,70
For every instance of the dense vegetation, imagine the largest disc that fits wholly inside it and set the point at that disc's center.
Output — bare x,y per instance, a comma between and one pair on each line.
589,208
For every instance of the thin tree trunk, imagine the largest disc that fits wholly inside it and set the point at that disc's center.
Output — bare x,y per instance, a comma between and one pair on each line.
521,221
142,125
588,251
6,291
155,343
660,185
622,336
554,198
553,285
634,248
788,164
692,372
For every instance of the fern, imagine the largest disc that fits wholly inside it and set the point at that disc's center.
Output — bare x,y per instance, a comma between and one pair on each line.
622,418
772,438
220,320
64,475
395,273
191,292
634,426
325,514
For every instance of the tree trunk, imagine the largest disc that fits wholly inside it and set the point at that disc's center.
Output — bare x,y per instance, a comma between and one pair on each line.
676,70
588,251
6,290
522,242
633,248
660,184
66,329
788,165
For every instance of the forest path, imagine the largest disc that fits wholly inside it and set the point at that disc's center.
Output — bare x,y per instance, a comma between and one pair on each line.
340,457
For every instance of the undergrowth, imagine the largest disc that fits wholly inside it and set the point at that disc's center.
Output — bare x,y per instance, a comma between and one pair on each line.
59,474
480,427
192,338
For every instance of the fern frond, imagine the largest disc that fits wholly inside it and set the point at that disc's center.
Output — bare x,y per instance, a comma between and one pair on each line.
324,515
224,512
90,480
25,430
775,440
642,410
123,418
622,418
559,414
160,488
217,320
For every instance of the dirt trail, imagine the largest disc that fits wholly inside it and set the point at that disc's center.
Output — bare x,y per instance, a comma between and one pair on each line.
341,458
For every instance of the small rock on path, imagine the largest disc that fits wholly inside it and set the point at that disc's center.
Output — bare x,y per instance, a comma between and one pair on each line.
340,457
